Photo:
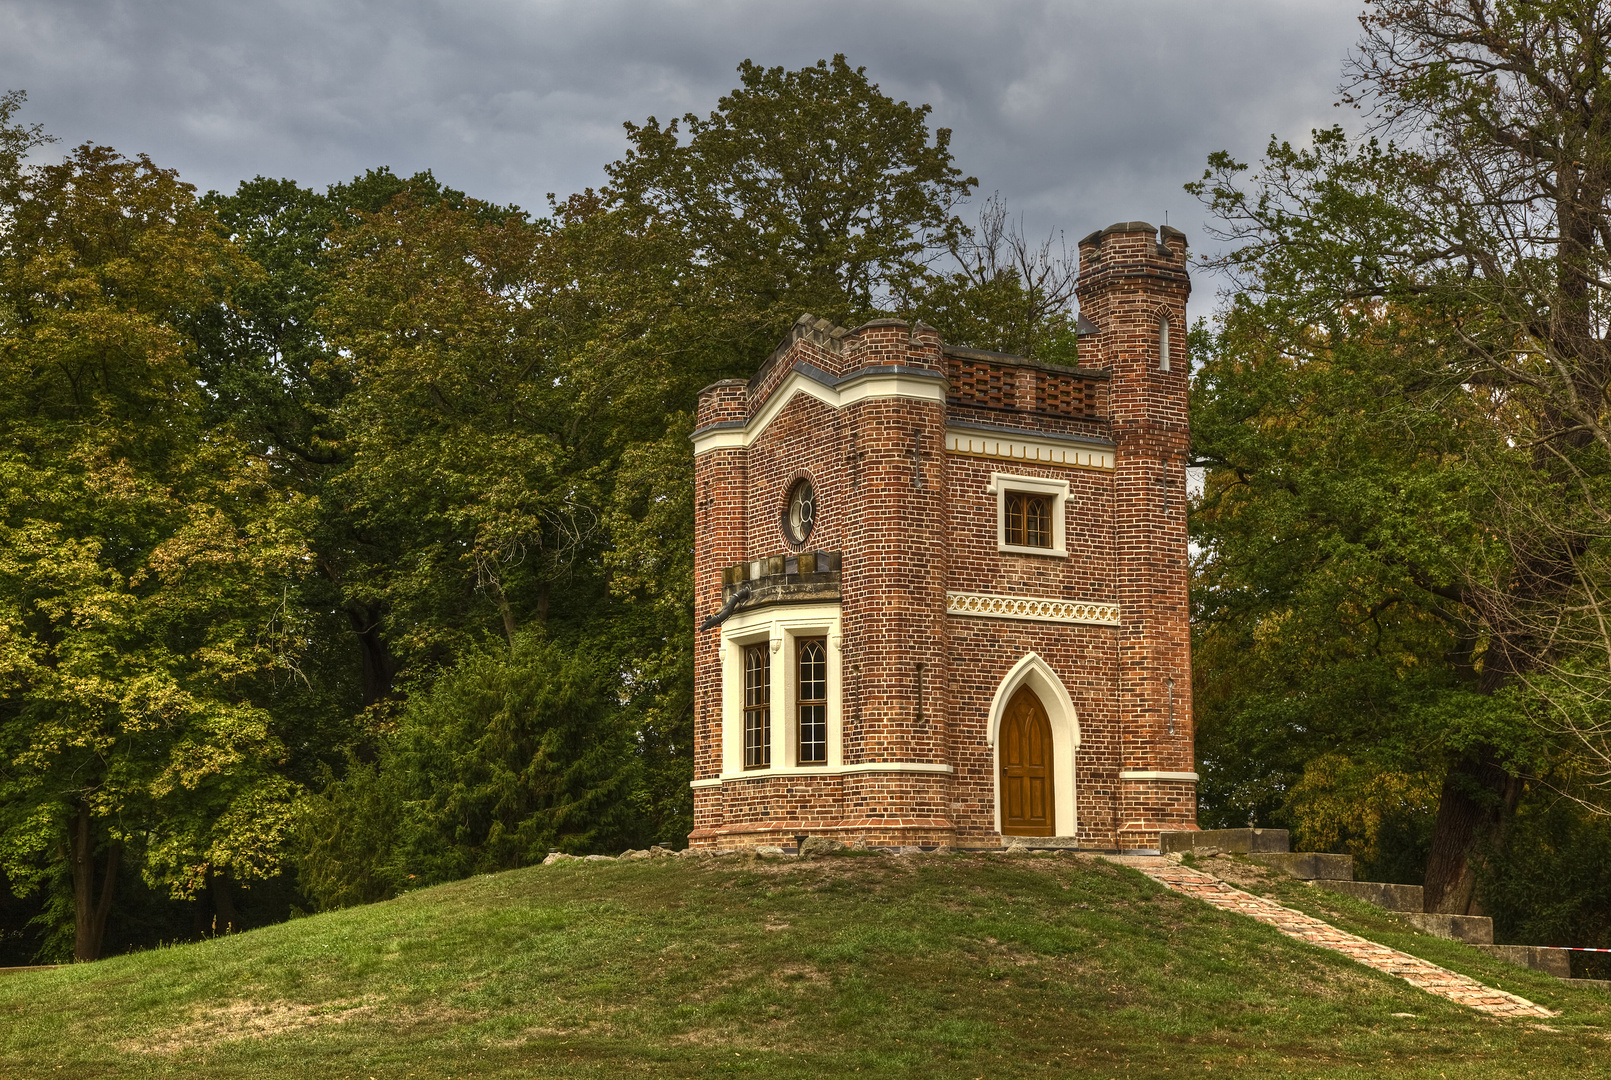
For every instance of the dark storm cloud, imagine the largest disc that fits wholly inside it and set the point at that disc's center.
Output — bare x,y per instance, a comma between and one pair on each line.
1079,113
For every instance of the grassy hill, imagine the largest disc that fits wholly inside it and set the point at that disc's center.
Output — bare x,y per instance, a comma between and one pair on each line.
925,966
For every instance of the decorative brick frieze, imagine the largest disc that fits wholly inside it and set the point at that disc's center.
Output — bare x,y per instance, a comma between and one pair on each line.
1028,607
932,617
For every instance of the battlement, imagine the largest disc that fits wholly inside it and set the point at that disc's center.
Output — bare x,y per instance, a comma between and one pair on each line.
1001,382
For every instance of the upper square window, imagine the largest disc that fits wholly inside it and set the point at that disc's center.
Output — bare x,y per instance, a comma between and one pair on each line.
1029,519
1030,513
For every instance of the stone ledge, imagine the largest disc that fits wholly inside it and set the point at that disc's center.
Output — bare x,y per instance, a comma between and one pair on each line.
1380,893
1471,929
1231,841
1308,865
1556,962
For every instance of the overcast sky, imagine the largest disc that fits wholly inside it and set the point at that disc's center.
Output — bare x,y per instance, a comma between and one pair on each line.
1079,113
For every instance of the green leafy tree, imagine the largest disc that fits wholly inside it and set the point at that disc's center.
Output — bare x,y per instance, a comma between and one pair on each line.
1482,229
1003,291
147,563
271,374
513,753
804,190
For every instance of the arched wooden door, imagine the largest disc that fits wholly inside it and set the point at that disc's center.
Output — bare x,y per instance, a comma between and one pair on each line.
1026,767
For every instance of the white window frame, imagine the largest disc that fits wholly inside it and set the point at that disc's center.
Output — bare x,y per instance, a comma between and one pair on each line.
781,627
1001,483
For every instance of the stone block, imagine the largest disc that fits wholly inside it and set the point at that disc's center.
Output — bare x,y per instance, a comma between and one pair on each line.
1555,962
1308,865
1380,893
814,846
1234,841
1592,984
1045,843
1471,929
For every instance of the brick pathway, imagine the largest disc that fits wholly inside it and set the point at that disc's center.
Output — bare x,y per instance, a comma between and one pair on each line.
1413,970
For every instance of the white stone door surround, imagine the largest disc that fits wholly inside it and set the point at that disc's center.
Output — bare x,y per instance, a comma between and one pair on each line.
1037,675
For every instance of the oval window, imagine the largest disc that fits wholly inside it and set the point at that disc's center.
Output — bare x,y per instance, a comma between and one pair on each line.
801,513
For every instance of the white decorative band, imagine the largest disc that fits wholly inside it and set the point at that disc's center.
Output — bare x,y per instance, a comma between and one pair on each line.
1031,450
825,770
1153,774
1028,607
861,386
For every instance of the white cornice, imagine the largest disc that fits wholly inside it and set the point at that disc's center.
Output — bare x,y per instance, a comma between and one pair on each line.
825,770
1155,774
860,386
1027,449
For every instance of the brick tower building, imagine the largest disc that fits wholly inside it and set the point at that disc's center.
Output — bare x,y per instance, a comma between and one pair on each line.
943,591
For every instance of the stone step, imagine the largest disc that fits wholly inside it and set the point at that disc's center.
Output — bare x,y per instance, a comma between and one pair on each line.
1556,962
1041,843
1308,865
1471,929
1231,841
1380,893
1593,984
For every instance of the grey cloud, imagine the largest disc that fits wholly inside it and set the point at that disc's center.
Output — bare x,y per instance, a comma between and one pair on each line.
1079,113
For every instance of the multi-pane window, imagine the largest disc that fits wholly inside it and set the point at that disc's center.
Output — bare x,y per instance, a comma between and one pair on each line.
1029,520
812,699
757,706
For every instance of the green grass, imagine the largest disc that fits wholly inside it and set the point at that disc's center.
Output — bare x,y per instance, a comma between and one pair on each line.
931,966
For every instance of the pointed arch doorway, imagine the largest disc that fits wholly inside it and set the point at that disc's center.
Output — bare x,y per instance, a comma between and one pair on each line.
1027,798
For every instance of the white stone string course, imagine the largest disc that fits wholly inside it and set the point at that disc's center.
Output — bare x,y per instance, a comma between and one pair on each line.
1030,607
1413,970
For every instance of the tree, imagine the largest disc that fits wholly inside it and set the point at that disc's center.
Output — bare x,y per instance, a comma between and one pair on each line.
272,376
804,190
1005,292
514,753
147,563
1484,227
15,143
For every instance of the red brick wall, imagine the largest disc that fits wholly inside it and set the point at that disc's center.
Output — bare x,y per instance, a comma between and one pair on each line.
1127,280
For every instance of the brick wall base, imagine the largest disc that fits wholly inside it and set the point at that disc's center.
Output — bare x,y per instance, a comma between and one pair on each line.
901,832
1149,807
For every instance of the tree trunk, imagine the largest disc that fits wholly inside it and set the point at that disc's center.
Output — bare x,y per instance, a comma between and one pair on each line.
90,915
224,919
378,667
1477,802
